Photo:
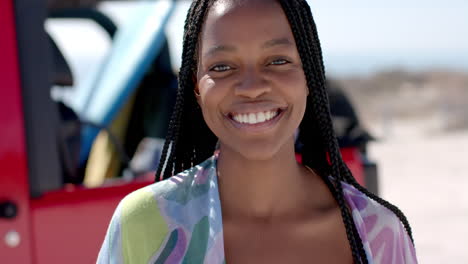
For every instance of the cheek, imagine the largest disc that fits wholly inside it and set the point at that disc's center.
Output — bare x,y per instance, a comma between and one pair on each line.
213,92
206,90
209,100
294,86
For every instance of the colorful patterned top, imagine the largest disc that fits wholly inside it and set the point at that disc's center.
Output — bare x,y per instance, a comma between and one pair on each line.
179,221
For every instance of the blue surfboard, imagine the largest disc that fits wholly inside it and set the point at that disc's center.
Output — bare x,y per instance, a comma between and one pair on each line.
135,46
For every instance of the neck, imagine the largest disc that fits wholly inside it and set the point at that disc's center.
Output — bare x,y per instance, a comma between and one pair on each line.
261,189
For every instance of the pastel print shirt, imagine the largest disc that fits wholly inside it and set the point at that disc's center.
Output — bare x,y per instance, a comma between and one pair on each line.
179,221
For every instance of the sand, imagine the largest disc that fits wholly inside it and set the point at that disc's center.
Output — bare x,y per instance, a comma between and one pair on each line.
426,175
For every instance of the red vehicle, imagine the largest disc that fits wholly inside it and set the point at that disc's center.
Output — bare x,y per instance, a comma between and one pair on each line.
42,220
45,218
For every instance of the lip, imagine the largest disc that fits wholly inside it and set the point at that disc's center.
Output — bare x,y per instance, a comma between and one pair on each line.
254,107
256,128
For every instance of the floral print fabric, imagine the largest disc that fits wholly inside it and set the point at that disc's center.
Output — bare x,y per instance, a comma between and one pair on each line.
179,221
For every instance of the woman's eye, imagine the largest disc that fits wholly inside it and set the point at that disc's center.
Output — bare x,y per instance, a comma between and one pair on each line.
279,62
221,68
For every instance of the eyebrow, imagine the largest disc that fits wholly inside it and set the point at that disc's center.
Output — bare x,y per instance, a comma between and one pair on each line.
277,42
269,44
220,48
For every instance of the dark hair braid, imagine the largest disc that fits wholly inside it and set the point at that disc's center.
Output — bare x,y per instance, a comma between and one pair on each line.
331,139
315,76
189,140
351,180
195,139
348,177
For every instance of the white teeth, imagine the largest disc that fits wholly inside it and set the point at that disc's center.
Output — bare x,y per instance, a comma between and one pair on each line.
261,117
255,118
245,118
252,118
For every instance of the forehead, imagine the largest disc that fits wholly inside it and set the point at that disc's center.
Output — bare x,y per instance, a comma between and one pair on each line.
241,21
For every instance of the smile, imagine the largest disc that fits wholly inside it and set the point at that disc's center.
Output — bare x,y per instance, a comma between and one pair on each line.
255,118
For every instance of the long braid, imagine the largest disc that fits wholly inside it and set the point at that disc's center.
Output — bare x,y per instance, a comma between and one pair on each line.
189,140
345,174
315,77
169,161
163,161
185,83
351,180
345,170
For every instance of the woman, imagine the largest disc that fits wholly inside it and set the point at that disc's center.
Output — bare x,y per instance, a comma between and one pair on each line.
251,75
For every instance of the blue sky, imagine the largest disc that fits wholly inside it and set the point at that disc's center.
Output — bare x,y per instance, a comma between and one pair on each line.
358,36
364,36
370,35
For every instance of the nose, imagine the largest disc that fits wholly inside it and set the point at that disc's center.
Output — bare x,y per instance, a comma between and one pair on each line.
252,84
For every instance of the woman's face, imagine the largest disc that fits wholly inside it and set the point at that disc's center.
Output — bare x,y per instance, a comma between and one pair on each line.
250,79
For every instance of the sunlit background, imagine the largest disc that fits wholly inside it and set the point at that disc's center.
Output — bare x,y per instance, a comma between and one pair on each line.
404,64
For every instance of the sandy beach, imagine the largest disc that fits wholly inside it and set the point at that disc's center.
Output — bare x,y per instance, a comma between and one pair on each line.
427,177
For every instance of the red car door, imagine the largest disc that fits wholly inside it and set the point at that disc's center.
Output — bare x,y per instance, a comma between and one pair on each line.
15,219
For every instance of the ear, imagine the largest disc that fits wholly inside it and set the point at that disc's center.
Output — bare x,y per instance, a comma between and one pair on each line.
196,91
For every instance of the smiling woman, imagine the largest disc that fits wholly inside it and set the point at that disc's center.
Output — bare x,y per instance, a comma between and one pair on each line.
247,73
251,76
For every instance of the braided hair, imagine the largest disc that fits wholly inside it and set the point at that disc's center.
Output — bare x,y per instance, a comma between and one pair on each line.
189,140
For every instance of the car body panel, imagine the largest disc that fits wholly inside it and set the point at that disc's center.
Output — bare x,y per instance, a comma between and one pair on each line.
69,225
14,184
